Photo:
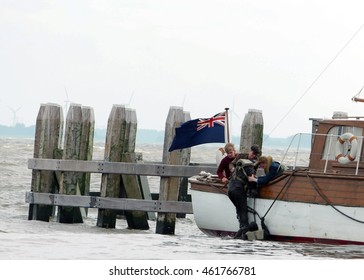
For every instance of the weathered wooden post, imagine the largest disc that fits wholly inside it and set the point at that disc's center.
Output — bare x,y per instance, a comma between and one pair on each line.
169,186
186,157
48,136
76,147
130,183
87,144
114,145
251,130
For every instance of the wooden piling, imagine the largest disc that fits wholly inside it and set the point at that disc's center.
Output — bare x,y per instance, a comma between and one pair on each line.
114,145
87,144
185,160
48,136
70,181
251,130
169,186
130,183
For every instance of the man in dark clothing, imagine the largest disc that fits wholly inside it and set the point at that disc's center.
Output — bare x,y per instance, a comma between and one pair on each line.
238,194
241,167
252,155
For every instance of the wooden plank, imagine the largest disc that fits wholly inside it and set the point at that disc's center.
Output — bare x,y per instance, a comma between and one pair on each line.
61,199
146,169
145,205
127,204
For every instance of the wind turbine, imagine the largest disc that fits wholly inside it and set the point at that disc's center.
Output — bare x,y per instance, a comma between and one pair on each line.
15,120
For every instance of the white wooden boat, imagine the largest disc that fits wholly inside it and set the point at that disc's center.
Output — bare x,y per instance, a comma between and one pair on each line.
322,202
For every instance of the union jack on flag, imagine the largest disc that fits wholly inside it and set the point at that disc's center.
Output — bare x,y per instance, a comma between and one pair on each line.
218,119
192,133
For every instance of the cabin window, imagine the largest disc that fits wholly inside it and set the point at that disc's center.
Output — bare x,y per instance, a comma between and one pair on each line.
331,140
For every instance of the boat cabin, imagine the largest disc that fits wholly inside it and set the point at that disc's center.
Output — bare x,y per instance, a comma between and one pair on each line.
337,146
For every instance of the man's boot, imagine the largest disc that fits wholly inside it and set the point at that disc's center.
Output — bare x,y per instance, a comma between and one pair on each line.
241,233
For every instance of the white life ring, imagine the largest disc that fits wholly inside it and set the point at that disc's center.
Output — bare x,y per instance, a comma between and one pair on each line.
351,152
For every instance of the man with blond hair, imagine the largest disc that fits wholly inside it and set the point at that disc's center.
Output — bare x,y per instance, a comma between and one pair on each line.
225,169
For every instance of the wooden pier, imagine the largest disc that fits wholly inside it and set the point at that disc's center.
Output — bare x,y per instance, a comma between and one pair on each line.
60,184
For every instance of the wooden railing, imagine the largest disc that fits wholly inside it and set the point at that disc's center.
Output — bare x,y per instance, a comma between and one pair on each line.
140,169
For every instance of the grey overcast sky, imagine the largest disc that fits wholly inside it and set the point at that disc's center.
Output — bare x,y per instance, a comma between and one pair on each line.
202,55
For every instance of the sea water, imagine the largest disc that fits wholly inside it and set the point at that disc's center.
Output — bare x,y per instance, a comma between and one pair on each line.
22,239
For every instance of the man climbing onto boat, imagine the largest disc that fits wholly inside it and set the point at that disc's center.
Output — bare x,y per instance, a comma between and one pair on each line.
234,170
252,155
237,192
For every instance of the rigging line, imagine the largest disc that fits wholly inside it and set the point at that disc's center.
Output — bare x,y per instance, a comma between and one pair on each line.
287,184
316,79
357,95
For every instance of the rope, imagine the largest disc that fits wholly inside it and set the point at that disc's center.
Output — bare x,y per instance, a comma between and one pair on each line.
262,219
357,95
285,185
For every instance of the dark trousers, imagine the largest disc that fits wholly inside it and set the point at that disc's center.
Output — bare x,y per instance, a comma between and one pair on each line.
237,195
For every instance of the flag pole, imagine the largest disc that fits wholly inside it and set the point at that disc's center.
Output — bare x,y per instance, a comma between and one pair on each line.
227,125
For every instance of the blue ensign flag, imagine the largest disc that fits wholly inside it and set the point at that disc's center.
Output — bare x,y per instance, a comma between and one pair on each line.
199,131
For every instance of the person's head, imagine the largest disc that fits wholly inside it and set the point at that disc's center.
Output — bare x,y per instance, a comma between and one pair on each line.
230,150
254,152
262,161
265,162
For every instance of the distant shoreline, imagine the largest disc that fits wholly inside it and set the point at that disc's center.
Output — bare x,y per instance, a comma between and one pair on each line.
144,136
